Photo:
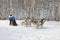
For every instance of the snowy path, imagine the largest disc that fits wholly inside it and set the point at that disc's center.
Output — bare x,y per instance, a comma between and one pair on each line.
50,31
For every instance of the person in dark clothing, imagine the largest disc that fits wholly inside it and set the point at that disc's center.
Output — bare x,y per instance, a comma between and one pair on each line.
12,20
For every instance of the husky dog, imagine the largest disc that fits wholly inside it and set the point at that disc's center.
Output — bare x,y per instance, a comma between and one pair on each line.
42,22
33,21
26,23
37,22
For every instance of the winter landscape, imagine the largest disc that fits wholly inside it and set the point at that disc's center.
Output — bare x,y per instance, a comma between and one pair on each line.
49,31
36,10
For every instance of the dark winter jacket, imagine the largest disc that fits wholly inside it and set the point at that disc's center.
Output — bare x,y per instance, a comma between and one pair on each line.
11,18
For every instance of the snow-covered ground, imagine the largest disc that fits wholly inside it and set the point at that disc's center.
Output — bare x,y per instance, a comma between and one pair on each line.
50,31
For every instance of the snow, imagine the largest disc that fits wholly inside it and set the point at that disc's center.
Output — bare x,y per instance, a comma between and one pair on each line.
50,31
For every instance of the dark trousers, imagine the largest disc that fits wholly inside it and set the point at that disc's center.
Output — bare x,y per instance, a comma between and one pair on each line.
11,22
